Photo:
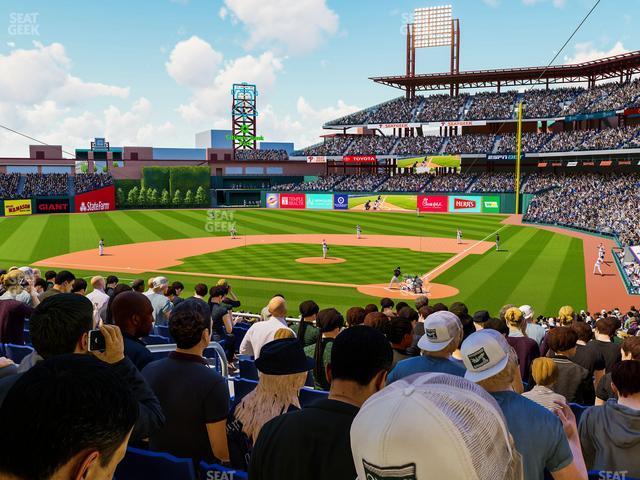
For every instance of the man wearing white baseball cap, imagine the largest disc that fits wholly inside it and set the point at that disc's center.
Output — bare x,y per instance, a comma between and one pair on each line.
442,336
161,305
429,427
534,331
544,440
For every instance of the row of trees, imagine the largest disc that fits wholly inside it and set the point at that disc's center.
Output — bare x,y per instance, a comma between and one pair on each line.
140,197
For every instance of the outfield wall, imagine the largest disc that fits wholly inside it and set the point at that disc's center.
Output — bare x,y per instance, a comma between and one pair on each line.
100,200
426,203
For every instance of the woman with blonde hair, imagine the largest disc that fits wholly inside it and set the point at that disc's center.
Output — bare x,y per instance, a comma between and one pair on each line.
545,373
566,316
526,348
282,369
18,287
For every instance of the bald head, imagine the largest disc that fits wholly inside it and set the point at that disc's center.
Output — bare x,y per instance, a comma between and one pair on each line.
277,307
133,313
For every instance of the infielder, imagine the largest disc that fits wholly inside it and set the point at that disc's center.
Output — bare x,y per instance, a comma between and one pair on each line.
232,232
358,231
101,247
325,249
596,267
459,236
396,277
497,242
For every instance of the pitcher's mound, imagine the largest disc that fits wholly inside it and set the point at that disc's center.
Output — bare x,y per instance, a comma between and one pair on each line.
320,260
435,290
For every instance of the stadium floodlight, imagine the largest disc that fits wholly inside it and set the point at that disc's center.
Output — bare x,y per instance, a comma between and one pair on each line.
432,26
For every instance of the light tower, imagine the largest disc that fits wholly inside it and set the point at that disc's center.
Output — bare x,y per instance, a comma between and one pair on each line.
433,27
244,115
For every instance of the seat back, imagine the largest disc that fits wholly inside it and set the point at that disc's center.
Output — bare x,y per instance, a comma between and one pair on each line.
248,369
145,465
156,340
17,352
578,410
239,331
222,472
307,396
163,330
242,387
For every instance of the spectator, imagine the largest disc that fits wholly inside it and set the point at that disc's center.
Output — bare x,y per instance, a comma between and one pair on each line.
63,283
290,445
200,291
533,330
79,286
480,318
16,287
283,369
106,314
526,348
538,434
605,329
132,312
369,308
178,288
574,382
138,285
590,358
330,322
630,350
261,333
97,296
545,373
12,317
222,323
70,417
86,182
610,434
195,423
387,307
307,332
355,316
161,304
50,277
443,333
444,416
400,337
112,282
377,320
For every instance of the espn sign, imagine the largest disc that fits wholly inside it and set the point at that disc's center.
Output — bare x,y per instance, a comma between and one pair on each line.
430,203
465,204
101,200
360,159
293,201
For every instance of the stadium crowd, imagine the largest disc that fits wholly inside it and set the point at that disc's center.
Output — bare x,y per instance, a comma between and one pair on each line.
493,182
323,183
418,145
45,184
406,182
460,144
437,108
491,106
544,394
9,185
371,145
394,111
268,155
549,103
85,182
531,142
362,183
331,146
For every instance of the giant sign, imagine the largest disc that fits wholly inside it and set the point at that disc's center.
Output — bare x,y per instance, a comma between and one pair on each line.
100,200
433,203
53,205
293,201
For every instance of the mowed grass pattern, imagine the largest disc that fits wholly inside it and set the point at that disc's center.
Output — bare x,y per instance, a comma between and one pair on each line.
536,267
363,264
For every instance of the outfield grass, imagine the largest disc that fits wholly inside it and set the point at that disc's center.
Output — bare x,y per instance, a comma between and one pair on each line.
538,267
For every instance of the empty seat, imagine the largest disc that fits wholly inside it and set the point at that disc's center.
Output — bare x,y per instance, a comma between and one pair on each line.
145,465
16,352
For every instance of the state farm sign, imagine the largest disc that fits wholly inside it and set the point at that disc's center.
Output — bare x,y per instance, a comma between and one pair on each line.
431,203
100,200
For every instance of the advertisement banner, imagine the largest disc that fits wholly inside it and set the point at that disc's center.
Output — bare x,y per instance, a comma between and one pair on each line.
433,203
316,159
360,159
319,201
373,126
458,204
341,201
273,200
13,208
293,200
54,205
491,204
99,200
504,156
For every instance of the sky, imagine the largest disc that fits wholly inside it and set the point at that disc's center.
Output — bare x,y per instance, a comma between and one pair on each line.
155,72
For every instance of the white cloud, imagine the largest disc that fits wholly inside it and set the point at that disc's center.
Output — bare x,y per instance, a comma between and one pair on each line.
193,62
586,51
223,12
297,25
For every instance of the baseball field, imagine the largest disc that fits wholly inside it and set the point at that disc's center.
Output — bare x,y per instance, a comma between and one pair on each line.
279,251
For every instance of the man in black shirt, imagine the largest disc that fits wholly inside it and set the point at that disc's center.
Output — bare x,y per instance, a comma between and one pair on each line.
313,443
605,329
221,317
194,397
133,313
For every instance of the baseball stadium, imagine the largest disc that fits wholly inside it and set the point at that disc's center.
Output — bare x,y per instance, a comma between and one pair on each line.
468,202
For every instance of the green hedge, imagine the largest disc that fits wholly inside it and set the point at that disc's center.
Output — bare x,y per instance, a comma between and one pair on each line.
155,177
189,178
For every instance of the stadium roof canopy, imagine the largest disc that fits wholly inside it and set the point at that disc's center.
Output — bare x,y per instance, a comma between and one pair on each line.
619,66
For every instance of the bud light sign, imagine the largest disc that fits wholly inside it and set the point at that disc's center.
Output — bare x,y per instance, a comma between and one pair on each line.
341,202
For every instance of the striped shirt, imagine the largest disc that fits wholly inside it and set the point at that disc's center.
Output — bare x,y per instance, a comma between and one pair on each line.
544,396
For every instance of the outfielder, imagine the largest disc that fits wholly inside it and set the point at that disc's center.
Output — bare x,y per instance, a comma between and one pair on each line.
459,236
232,232
325,249
358,231
396,277
101,247
497,242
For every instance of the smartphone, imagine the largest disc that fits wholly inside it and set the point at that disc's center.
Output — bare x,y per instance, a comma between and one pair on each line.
96,341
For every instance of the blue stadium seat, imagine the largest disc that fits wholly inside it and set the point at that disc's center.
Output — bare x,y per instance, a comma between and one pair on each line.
27,336
248,369
239,331
17,352
156,340
242,387
231,474
145,465
164,331
578,410
308,396
2,350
